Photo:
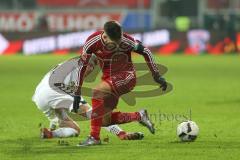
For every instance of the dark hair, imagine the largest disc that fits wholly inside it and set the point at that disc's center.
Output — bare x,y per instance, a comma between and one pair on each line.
113,29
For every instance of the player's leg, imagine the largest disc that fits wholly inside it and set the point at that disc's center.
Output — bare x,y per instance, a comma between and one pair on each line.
121,118
101,98
113,118
67,127
122,135
141,117
84,113
122,86
126,117
103,102
115,129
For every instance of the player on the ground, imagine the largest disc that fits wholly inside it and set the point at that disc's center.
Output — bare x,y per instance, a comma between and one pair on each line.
53,98
113,49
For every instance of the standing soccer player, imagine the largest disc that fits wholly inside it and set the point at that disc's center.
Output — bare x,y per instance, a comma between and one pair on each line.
113,49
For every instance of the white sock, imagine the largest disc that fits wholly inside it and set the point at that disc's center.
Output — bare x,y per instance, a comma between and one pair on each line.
114,129
64,132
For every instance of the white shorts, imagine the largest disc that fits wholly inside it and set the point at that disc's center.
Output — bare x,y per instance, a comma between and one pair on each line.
46,98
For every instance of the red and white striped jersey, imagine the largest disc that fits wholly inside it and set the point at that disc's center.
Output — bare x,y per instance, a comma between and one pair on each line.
113,58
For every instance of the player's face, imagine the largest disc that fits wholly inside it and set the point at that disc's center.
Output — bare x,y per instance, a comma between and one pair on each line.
107,40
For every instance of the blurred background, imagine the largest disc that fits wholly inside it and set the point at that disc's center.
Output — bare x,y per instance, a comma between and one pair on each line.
166,26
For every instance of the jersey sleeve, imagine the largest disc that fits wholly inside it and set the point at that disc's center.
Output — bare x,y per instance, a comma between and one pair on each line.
146,53
88,50
148,56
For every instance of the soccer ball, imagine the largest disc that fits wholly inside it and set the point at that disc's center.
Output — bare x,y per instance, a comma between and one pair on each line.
187,131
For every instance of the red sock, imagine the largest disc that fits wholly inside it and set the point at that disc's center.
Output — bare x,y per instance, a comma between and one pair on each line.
96,117
120,118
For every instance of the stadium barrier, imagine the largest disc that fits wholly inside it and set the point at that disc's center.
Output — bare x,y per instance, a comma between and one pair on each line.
161,41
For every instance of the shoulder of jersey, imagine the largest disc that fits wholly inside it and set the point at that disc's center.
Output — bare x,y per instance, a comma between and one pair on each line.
94,35
128,39
92,39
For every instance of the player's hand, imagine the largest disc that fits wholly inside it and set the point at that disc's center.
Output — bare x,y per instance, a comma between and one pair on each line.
76,102
160,80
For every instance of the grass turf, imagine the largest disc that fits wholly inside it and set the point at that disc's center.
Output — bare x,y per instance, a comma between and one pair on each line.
208,85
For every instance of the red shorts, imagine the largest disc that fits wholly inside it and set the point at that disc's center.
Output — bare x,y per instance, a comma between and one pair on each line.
121,82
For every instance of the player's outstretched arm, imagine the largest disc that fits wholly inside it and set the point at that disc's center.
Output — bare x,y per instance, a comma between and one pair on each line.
83,64
147,54
89,48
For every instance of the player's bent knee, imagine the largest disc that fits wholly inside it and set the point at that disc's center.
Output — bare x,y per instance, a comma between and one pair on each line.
110,103
78,130
70,124
106,121
108,98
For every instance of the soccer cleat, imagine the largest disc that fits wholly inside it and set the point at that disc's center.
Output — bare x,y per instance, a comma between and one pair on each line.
45,133
145,121
90,141
131,136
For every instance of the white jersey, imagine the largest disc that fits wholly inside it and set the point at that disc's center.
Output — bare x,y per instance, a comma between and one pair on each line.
57,86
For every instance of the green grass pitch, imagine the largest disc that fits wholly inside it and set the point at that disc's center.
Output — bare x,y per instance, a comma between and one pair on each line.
209,86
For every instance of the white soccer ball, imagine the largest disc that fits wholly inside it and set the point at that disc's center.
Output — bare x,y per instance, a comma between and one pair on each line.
187,131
